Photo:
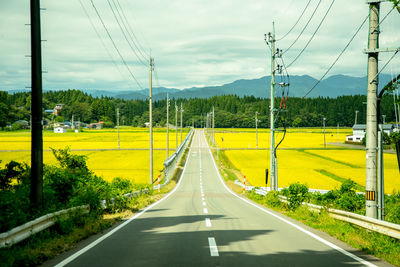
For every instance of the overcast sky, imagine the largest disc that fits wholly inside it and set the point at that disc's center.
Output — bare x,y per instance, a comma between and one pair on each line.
193,42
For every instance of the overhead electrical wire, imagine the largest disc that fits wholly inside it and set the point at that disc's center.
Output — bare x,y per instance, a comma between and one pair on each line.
115,46
312,36
145,63
338,57
141,50
344,49
304,28
101,39
294,25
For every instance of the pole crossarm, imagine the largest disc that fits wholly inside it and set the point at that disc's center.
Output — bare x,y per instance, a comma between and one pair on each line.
379,50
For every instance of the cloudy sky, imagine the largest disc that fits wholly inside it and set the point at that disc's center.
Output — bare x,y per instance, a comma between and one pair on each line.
193,42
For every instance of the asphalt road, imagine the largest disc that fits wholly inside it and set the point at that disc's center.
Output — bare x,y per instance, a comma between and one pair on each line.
201,223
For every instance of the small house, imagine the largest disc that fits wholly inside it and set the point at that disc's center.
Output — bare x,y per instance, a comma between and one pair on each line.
360,129
60,130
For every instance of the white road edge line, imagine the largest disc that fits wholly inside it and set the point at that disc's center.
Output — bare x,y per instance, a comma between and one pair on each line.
204,203
213,247
345,252
205,210
100,239
208,222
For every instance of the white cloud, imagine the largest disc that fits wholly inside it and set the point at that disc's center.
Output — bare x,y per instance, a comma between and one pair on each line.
193,42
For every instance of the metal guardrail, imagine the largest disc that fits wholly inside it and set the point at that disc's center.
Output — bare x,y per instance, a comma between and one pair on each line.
383,227
171,162
24,231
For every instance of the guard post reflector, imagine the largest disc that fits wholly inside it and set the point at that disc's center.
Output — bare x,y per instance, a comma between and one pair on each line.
370,195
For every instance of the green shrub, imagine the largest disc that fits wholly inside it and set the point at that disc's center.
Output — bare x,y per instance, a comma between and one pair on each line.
272,199
297,193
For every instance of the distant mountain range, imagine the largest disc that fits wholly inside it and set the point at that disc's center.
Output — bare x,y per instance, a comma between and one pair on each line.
334,86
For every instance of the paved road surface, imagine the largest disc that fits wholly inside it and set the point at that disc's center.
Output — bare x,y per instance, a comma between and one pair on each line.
201,223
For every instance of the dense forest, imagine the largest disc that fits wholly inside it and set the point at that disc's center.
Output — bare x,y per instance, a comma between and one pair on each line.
230,110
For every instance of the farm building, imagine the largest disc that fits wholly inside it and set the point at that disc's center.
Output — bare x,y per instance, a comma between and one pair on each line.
360,129
60,130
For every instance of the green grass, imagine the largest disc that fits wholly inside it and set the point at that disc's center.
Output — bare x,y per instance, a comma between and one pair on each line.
357,187
327,158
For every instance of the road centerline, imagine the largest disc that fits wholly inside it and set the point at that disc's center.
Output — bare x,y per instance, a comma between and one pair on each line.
213,247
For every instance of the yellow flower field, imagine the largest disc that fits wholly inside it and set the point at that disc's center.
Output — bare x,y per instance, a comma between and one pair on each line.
296,163
131,164
295,138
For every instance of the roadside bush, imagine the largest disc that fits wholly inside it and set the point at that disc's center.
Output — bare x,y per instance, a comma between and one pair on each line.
392,207
272,199
296,194
71,184
348,200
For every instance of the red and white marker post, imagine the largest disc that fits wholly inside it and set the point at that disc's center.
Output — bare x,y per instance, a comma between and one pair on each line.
158,181
244,185
221,165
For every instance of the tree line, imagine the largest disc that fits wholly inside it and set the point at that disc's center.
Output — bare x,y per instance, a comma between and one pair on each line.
230,110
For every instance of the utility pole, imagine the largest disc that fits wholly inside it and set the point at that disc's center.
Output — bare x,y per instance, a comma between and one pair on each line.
118,125
324,132
181,121
271,40
355,122
213,126
176,126
256,130
36,188
372,127
167,126
373,51
151,121
72,122
383,118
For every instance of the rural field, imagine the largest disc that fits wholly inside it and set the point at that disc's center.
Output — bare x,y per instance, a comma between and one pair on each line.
303,158
97,145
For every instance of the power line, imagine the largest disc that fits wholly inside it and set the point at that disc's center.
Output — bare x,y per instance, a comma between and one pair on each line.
141,50
99,36
312,15
344,49
312,36
302,13
124,34
338,57
115,46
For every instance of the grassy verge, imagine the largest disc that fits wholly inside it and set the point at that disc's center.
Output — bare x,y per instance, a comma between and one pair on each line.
378,245
358,187
327,158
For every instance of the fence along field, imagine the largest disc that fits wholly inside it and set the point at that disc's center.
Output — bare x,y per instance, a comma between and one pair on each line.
131,164
303,158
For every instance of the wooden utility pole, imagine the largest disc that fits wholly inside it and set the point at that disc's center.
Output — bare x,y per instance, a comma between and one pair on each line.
324,133
256,130
181,121
118,126
176,126
36,188
213,126
151,122
167,126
